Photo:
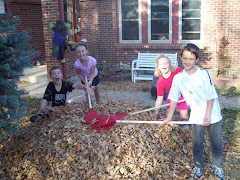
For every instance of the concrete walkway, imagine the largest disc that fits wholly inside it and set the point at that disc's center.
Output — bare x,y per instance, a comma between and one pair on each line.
34,80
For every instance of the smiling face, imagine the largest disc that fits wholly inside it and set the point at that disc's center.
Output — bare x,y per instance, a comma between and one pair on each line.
81,52
189,60
56,76
164,65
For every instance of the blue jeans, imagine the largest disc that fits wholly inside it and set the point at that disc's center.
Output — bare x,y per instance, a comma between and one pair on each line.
215,134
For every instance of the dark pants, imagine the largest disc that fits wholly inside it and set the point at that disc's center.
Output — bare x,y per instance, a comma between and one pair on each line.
215,134
154,93
95,81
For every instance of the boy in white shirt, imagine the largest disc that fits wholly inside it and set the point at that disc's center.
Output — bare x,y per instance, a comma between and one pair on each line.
198,90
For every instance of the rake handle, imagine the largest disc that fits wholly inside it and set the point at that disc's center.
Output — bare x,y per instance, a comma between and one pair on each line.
153,122
149,109
89,100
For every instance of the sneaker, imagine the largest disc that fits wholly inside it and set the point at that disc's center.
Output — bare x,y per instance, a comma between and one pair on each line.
219,173
197,172
37,117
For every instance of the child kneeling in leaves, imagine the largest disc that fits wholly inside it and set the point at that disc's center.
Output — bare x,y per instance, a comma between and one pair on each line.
56,93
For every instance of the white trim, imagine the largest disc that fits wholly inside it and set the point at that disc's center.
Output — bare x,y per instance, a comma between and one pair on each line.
2,7
139,23
180,24
170,24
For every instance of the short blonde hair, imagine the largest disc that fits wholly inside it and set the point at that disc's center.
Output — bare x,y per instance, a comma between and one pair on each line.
157,71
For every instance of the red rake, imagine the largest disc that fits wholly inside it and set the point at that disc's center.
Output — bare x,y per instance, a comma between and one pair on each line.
102,123
99,122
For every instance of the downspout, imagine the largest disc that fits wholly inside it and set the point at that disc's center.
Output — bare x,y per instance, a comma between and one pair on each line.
64,65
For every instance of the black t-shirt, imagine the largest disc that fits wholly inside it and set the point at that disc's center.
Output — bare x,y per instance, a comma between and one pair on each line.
58,98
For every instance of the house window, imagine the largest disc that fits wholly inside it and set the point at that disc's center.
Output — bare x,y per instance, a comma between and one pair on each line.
130,20
160,21
2,8
190,20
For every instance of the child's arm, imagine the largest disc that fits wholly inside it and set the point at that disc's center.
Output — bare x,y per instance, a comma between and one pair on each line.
158,103
79,86
91,75
80,75
206,119
43,107
172,108
82,86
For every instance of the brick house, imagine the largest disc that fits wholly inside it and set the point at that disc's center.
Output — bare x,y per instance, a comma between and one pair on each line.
117,29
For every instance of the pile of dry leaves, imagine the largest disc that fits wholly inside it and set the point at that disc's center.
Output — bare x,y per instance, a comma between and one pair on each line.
63,147
126,86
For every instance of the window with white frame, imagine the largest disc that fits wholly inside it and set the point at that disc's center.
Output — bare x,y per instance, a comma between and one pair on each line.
130,21
190,20
2,8
160,21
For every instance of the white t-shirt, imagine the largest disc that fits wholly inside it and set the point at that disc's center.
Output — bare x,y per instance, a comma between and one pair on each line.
196,89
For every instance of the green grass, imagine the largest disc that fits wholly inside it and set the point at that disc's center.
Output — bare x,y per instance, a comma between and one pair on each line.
231,139
33,105
228,91
32,109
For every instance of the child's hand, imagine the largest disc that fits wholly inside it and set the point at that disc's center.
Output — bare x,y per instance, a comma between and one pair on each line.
155,113
89,83
88,89
206,121
166,121
93,87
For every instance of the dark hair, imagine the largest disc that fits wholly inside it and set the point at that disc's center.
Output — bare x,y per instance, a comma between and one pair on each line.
191,48
53,68
60,27
79,45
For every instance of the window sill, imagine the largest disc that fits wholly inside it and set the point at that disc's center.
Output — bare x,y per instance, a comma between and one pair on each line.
150,46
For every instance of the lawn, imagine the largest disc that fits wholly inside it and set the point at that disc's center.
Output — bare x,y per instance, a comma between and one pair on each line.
63,148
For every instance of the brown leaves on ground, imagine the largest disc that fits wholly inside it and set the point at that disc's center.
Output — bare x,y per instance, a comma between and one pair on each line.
63,147
126,86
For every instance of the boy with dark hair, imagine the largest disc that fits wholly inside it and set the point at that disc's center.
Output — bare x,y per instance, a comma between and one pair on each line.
198,90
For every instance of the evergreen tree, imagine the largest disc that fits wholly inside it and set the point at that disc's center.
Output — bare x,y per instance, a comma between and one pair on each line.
15,54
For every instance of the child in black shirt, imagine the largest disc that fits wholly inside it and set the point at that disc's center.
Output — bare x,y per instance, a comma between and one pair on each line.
56,92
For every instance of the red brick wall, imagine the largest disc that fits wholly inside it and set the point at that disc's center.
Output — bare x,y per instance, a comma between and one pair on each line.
29,13
100,24
222,18
50,14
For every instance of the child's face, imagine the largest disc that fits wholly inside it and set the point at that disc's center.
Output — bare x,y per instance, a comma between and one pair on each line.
164,65
188,60
81,52
56,76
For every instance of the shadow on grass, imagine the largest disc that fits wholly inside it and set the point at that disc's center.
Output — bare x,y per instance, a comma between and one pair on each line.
228,91
231,135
